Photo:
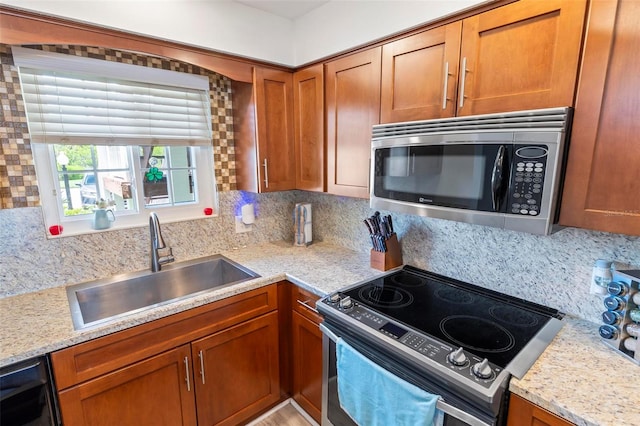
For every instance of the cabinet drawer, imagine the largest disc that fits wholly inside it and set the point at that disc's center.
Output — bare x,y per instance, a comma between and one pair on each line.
304,303
105,354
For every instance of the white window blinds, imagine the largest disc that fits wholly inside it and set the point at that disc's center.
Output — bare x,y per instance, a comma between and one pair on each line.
74,100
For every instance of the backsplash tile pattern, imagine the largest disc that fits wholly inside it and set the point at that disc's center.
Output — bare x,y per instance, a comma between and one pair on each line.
553,270
18,185
31,262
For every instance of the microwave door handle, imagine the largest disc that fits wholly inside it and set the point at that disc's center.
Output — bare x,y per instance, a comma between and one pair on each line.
497,178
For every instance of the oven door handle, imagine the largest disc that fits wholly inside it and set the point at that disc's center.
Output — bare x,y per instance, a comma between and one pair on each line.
441,405
456,413
330,334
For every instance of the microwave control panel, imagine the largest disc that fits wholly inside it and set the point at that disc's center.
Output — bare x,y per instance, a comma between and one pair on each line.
527,180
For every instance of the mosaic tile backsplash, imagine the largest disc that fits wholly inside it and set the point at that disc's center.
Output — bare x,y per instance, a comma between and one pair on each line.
18,184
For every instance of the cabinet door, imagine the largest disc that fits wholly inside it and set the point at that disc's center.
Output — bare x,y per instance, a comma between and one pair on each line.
307,365
520,56
353,107
524,413
236,371
308,102
419,75
274,122
157,391
602,186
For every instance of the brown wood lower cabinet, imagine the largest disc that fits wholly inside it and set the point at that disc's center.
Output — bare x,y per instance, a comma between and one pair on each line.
150,392
307,364
220,361
307,353
525,413
236,371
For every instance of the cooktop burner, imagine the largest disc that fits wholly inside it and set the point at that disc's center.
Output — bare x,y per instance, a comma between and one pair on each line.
487,336
489,324
407,279
386,296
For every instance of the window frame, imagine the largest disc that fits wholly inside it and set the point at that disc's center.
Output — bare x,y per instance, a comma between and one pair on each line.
47,173
51,196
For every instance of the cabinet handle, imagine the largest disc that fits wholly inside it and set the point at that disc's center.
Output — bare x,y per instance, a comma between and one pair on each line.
186,369
266,174
306,305
201,356
446,85
463,77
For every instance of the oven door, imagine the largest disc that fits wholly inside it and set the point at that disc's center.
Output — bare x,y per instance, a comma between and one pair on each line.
460,414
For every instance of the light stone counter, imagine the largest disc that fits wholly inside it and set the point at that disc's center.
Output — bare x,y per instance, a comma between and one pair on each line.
577,377
37,323
583,380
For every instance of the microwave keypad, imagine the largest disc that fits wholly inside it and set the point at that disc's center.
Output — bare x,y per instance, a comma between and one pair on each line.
527,180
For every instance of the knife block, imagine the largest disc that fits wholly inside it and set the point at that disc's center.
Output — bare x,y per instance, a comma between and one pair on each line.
390,259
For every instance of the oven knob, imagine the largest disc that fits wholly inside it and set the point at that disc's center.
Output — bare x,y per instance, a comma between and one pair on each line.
482,369
334,298
346,303
457,357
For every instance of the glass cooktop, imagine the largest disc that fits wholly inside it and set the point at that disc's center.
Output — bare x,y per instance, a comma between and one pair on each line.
487,323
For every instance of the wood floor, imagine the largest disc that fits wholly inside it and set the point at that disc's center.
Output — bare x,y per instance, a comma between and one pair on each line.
285,416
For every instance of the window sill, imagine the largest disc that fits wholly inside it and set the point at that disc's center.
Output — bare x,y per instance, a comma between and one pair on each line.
83,226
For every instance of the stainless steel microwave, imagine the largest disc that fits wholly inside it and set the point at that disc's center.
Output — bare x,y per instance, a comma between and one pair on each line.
501,170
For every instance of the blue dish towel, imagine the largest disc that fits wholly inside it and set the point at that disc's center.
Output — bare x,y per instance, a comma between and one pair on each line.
372,396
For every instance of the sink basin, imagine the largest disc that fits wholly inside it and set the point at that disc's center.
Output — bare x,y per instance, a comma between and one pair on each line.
101,301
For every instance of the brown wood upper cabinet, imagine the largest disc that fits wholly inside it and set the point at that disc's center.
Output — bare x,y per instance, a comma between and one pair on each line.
352,95
263,122
419,75
308,102
602,186
520,56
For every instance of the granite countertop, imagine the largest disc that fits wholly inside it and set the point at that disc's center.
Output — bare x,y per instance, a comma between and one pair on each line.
577,377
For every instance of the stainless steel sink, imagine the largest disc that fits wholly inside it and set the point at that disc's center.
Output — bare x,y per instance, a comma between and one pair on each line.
101,301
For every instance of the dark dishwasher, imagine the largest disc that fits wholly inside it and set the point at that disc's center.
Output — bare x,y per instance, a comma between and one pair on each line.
26,394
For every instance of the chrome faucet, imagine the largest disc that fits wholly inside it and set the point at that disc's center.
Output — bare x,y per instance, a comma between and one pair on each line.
157,243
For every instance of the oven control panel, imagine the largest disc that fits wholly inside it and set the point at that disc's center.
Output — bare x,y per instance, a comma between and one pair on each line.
457,360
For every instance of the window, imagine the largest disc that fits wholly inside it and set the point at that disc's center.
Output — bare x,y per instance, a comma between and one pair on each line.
116,136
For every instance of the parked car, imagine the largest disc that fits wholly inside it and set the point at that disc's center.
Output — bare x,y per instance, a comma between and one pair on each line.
88,193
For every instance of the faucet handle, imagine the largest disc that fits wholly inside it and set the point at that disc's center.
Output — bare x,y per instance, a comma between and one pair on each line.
168,258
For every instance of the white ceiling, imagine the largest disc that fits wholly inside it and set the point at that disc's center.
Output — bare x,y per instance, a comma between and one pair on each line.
290,9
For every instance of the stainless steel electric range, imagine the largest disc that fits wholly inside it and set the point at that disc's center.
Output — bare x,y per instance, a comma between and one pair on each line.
448,337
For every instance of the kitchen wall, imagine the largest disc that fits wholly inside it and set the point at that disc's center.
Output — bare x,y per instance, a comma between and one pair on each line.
337,26
30,262
553,270
228,26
